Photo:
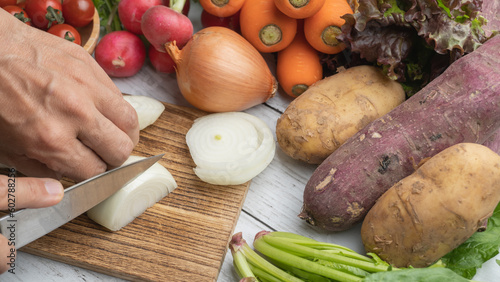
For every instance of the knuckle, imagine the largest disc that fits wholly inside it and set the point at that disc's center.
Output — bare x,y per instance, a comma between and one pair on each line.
29,190
86,170
49,137
130,119
123,152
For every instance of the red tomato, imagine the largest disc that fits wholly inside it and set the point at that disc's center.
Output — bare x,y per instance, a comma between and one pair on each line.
67,32
19,13
39,11
78,13
4,3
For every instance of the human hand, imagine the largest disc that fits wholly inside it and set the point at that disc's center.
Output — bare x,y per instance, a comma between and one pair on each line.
24,192
60,114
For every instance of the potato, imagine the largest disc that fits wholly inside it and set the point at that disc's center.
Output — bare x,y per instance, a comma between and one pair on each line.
333,109
459,106
432,211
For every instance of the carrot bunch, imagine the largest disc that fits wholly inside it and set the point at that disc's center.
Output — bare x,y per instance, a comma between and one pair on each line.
297,30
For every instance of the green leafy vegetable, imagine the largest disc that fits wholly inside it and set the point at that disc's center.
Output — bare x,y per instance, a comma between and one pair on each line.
431,274
108,15
414,37
478,249
291,257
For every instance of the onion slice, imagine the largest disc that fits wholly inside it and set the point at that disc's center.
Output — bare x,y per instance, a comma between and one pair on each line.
230,148
133,199
148,109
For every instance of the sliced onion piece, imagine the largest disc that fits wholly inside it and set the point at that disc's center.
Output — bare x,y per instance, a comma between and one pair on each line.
230,148
134,198
148,109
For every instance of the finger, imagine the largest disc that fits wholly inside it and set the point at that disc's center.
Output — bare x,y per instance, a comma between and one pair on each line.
29,192
5,251
31,167
59,149
107,140
121,114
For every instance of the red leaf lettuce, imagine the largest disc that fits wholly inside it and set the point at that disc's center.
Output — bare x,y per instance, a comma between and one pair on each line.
414,40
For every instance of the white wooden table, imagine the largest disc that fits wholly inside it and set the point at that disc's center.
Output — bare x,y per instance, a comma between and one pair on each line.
273,201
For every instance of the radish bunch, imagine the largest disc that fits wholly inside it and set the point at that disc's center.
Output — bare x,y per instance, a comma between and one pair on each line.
123,53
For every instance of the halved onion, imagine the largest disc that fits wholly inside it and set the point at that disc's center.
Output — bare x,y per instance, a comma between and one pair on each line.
148,109
133,199
230,148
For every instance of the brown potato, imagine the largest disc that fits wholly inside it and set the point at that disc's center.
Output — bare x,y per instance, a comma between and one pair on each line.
429,213
333,109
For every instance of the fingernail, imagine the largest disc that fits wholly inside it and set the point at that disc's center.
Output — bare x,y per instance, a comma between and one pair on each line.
53,187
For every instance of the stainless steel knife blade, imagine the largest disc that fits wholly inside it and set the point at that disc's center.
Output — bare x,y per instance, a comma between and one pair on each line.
27,225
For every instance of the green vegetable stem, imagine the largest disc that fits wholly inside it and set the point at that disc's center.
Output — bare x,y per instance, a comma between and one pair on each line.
292,257
247,262
108,15
177,5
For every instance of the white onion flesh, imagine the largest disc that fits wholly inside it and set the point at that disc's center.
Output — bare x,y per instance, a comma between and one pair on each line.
230,148
133,199
148,109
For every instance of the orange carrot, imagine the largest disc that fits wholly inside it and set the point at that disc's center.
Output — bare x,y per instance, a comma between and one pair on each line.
222,8
266,27
322,28
298,66
299,9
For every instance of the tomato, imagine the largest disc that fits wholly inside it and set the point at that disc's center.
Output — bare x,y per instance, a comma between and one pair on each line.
39,11
67,32
4,3
78,13
19,13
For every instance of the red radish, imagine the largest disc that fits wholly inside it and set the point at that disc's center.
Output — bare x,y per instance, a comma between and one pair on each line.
120,53
130,13
161,25
185,9
162,62
232,22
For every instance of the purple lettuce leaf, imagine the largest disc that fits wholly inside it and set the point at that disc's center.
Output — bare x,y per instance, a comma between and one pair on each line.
403,36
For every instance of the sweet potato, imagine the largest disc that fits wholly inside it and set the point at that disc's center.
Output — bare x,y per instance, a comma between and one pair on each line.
493,142
333,109
461,105
432,211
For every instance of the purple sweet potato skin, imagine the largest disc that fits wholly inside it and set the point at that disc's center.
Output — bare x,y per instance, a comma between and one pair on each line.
461,105
493,142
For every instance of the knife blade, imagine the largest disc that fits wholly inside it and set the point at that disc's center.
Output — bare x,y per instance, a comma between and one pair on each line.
24,226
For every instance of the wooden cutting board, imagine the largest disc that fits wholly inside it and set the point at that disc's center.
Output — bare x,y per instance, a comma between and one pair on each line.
182,238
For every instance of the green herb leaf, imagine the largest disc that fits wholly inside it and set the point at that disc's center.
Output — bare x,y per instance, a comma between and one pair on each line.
479,248
432,274
108,15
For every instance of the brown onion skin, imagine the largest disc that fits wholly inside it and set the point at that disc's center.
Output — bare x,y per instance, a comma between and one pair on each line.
219,71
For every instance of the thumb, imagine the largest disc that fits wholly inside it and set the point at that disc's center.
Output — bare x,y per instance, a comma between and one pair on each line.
29,192
5,251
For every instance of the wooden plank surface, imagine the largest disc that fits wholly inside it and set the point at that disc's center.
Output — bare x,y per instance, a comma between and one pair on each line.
182,238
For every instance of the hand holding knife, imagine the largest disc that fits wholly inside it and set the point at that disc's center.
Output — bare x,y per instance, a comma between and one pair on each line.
21,227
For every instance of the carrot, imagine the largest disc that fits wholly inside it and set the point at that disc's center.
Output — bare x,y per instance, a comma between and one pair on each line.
322,28
266,27
222,8
299,9
298,65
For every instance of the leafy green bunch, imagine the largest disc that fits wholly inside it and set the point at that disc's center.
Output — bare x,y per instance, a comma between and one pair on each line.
414,40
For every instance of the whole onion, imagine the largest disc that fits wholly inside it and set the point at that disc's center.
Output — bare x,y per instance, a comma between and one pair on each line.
219,71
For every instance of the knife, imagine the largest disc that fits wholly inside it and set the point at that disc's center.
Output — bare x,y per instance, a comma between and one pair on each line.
24,226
